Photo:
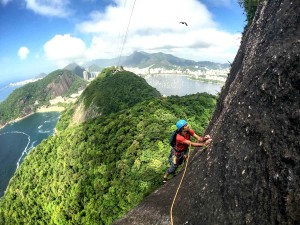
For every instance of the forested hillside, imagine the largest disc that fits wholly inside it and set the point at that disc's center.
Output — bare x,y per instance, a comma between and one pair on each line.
28,98
95,172
113,90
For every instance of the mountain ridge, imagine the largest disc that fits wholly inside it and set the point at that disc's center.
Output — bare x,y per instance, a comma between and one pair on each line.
167,60
148,63
143,59
75,68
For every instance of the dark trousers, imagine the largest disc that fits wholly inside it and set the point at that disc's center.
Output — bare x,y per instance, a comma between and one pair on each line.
175,159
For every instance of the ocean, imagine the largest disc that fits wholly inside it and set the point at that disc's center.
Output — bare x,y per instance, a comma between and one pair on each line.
5,89
18,138
8,87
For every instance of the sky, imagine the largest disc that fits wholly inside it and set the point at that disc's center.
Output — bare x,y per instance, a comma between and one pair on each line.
40,36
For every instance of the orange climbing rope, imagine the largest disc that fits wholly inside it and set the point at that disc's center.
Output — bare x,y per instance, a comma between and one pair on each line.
174,199
186,163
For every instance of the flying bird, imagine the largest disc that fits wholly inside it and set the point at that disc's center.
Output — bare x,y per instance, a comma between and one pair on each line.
183,23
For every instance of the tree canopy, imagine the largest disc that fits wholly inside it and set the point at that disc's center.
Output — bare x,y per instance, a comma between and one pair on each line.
97,171
250,7
116,89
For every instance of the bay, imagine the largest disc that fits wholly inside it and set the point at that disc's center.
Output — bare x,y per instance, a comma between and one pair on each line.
17,139
173,84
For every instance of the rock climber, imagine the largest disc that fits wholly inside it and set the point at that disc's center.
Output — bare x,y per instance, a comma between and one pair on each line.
180,150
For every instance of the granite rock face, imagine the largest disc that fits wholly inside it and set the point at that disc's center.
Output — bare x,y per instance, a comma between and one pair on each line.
61,86
251,172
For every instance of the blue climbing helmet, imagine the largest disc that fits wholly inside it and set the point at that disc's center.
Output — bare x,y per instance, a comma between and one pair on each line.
180,124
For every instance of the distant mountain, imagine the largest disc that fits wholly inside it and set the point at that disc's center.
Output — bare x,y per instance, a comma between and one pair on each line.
143,59
94,68
76,69
156,60
162,60
102,63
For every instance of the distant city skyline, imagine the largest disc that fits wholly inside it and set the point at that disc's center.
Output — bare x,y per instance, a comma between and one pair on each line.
41,36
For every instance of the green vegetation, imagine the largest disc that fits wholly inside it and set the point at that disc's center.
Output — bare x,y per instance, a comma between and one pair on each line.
65,119
250,7
95,172
115,89
28,98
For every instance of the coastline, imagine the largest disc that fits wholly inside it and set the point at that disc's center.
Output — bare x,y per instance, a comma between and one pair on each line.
42,109
50,109
15,120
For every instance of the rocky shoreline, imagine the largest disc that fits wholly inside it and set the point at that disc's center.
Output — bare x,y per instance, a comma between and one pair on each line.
43,109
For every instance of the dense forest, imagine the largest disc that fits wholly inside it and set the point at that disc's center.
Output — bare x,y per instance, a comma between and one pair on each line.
113,90
95,172
29,97
116,89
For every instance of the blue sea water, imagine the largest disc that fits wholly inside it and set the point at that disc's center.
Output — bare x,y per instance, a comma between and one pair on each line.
6,88
17,139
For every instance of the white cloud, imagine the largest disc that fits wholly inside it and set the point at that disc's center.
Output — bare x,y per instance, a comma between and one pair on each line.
155,27
57,8
65,49
23,53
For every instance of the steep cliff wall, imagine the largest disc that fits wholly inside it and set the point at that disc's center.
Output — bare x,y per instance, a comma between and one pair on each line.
251,172
61,85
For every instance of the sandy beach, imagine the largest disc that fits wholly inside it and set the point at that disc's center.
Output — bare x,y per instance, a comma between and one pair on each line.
51,109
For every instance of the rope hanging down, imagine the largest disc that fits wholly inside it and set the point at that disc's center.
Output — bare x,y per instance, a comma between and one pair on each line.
125,37
186,163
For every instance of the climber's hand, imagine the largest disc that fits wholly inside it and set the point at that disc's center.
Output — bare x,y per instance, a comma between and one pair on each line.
208,141
206,137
